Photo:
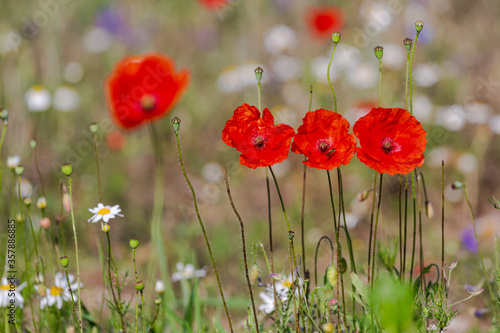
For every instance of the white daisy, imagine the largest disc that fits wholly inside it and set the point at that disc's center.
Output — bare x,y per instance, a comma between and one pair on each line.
187,272
66,99
37,98
59,292
13,161
105,213
268,306
10,292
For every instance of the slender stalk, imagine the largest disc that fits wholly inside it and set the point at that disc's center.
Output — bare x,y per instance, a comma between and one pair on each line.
400,229
78,323
340,278
6,321
348,237
406,226
38,171
421,248
61,185
375,174
380,83
270,229
316,257
414,228
328,77
244,248
98,172
115,300
153,322
442,221
292,291
375,231
136,310
76,252
34,238
411,65
269,269
2,138
176,121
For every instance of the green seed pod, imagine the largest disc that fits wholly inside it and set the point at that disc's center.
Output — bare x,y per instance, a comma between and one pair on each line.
336,37
33,144
134,243
258,74
139,285
67,169
419,25
342,265
64,261
379,52
176,124
94,127
407,43
19,170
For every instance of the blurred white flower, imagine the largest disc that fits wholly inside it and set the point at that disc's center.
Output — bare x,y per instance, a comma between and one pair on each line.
422,108
319,68
478,112
236,78
494,123
467,163
286,68
26,189
185,272
212,172
10,42
268,299
377,14
37,98
104,212
363,76
451,117
11,292
73,72
427,75
97,40
280,38
394,56
66,99
159,287
59,292
13,161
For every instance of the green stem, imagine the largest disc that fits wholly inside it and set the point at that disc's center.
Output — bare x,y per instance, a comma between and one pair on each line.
400,229
281,199
442,221
38,172
2,138
34,238
117,304
421,249
99,192
76,253
411,65
380,83
142,311
6,321
203,229
374,251
78,323
136,310
414,228
316,258
405,234
263,253
371,225
329,81
244,247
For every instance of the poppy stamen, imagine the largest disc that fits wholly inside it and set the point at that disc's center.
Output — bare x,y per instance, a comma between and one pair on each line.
258,141
389,146
148,102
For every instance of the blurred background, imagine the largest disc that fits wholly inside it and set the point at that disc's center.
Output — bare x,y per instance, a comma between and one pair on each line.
56,54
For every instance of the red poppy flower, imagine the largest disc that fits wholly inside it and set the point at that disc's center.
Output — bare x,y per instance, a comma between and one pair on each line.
214,4
324,139
325,20
260,143
392,141
144,88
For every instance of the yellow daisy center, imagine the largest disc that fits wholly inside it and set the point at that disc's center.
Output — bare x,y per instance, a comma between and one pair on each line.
288,283
6,287
103,211
56,291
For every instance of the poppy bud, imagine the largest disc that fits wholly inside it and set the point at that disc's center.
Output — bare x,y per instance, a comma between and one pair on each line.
4,115
336,37
453,264
67,169
408,43
157,301
64,261
456,185
41,203
331,275
94,127
139,285
45,223
419,25
176,124
342,265
291,234
258,74
33,144
429,210
379,52
134,243
254,274
19,170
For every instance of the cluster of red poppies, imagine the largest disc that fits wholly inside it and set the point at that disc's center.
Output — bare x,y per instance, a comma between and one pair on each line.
391,140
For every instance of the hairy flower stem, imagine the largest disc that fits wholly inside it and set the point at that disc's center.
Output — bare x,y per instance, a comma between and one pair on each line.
329,81
38,171
78,323
400,229
76,252
202,229
483,267
421,249
25,253
316,257
372,215
405,234
115,300
137,292
414,228
244,248
270,229
380,83
410,68
442,222
2,138
374,251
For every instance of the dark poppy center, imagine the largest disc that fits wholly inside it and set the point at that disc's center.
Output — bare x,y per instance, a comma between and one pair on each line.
148,102
258,141
389,146
326,148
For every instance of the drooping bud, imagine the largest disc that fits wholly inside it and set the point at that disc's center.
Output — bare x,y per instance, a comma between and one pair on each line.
456,185
134,243
331,275
419,25
429,210
64,261
336,37
408,43
363,195
254,274
139,285
342,265
67,169
176,124
379,52
258,74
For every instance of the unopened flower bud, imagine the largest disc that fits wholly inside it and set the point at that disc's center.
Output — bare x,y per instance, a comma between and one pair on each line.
363,195
379,52
41,203
342,265
105,227
331,275
258,74
456,185
157,300
4,115
139,285
64,261
67,169
254,274
408,43
176,124
27,202
159,287
291,234
336,37
33,144
429,210
45,223
19,170
419,25
94,127
134,243
19,218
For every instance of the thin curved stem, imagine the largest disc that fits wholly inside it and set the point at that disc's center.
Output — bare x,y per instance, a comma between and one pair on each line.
2,138
375,231
371,224
329,81
72,298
